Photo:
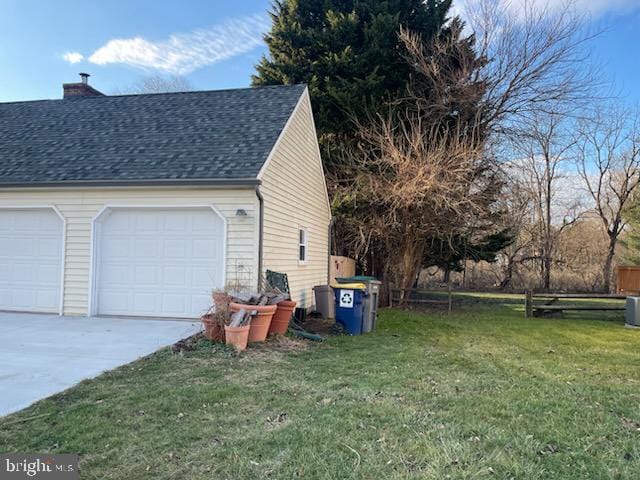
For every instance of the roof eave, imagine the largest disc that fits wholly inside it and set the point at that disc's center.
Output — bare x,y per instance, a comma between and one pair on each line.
186,182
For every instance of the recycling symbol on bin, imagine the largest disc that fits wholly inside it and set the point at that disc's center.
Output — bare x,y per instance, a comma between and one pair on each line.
346,298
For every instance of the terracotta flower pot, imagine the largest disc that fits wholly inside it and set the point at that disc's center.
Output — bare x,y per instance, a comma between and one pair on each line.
237,336
280,321
260,322
212,328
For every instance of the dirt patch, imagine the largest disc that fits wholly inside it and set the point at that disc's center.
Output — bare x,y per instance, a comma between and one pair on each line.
320,326
280,343
187,344
274,347
630,424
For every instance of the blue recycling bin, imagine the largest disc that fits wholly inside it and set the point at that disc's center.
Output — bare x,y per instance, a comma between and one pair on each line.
350,306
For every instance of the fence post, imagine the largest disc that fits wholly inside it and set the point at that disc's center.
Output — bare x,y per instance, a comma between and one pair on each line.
528,304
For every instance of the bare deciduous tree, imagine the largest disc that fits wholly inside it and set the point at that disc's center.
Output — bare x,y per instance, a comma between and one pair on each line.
543,152
156,84
418,180
608,159
537,60
517,206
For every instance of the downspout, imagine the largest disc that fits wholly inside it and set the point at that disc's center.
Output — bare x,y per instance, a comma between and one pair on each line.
330,249
260,234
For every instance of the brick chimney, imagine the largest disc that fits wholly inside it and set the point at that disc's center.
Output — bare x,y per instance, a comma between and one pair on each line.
81,89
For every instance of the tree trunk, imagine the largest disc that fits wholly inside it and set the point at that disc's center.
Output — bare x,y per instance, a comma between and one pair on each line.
407,266
546,272
546,262
447,276
608,264
508,275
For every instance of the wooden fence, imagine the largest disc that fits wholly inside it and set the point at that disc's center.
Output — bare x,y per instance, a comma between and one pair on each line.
341,267
550,303
405,295
628,280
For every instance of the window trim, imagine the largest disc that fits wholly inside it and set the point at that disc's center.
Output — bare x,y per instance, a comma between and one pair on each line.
305,244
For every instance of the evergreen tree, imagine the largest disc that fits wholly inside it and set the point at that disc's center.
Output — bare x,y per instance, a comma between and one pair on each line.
349,54
451,254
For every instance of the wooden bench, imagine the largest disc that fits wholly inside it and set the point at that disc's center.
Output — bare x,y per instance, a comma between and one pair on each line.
551,304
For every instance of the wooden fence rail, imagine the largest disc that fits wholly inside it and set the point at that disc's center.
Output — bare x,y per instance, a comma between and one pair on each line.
399,295
550,303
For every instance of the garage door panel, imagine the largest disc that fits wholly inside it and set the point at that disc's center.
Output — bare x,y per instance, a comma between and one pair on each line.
145,302
175,249
30,259
22,247
114,275
200,276
116,247
175,276
117,225
165,265
48,248
204,248
147,223
175,304
48,273
146,275
176,224
24,273
146,247
197,300
46,297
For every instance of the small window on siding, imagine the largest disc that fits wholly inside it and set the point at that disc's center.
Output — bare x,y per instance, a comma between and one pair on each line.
302,245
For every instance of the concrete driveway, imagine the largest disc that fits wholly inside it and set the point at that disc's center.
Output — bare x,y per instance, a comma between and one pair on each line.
44,354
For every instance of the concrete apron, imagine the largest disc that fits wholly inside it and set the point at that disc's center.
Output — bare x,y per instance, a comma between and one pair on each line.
45,354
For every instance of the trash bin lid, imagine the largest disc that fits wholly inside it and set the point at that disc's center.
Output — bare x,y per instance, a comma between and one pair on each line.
355,285
355,278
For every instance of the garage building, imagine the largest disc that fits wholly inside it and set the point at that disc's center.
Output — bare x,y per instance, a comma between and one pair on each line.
141,205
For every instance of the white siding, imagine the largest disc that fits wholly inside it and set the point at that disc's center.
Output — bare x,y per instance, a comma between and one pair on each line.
295,196
80,206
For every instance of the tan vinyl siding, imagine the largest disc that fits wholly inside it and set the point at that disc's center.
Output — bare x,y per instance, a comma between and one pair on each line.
295,197
80,206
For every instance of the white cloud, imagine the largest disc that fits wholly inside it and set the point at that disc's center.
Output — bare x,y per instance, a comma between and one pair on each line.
73,57
183,53
593,8
590,7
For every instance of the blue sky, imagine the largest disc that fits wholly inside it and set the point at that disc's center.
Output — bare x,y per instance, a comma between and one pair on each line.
214,44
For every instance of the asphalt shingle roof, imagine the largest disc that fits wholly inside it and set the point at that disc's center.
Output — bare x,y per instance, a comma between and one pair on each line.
191,136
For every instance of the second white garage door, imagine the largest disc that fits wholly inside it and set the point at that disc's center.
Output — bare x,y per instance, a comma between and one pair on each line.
158,262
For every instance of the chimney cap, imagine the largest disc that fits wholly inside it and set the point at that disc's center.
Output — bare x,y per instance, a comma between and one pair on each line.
80,89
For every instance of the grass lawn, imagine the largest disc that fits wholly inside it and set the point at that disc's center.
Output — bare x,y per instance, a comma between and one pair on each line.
482,394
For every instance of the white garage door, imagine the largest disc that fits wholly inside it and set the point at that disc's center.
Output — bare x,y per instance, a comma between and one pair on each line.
158,262
30,260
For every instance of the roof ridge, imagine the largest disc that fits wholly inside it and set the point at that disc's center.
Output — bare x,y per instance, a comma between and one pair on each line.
187,92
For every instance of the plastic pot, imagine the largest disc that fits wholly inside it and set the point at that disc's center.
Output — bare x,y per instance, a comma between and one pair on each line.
212,328
260,322
237,336
280,321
